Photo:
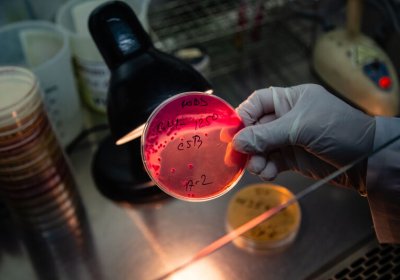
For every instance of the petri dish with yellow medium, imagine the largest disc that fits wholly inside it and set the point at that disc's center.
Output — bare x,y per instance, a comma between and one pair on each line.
187,146
276,232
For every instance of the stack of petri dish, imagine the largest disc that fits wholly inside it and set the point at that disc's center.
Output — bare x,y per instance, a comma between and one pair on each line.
35,178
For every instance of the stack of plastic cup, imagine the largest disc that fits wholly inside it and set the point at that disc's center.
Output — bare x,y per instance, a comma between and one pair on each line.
35,178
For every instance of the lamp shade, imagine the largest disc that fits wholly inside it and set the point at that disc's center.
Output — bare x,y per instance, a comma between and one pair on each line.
141,76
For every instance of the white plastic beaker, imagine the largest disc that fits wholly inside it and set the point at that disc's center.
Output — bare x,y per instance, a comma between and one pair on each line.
43,47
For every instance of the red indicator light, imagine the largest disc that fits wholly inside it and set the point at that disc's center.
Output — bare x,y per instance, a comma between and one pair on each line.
385,82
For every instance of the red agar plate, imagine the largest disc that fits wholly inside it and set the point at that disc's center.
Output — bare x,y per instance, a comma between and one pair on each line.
187,146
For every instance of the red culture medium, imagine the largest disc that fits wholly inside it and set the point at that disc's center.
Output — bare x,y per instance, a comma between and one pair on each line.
187,146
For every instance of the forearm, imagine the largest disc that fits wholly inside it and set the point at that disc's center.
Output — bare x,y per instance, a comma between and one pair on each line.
383,182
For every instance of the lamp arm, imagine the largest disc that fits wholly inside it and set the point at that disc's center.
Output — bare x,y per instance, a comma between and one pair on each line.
353,13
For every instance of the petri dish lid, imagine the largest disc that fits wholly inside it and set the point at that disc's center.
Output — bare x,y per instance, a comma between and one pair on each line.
275,233
187,146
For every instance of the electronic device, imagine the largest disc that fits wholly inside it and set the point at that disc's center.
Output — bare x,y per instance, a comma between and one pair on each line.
355,67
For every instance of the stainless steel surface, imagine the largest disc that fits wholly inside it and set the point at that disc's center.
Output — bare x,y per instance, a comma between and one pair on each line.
145,241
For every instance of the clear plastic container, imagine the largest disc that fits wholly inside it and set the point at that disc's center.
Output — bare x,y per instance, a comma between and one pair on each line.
44,48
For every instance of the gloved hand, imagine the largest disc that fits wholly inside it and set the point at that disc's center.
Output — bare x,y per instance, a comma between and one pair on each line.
306,129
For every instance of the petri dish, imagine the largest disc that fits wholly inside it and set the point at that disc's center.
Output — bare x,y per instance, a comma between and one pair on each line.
187,149
273,234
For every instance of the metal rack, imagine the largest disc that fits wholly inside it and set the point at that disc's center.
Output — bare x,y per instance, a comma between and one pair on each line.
180,23
251,43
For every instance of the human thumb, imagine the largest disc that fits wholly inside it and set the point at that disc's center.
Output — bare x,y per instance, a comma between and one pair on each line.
264,137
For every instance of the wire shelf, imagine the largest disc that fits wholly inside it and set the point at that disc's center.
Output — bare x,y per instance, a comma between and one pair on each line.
180,23
251,44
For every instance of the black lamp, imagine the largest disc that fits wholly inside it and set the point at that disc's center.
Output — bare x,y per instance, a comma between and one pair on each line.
141,78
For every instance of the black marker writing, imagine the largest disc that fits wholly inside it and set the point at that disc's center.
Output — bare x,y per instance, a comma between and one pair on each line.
194,102
199,182
194,142
163,126
205,121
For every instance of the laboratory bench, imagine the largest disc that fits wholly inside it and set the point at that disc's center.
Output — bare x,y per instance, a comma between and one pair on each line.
124,240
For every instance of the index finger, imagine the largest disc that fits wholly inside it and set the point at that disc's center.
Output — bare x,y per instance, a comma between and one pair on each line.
258,104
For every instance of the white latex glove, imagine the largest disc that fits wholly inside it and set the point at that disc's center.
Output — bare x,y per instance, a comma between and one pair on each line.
306,129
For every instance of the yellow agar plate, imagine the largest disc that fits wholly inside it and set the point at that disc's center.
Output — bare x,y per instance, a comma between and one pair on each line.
254,200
